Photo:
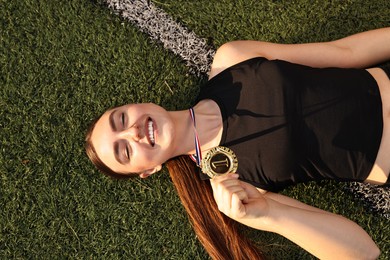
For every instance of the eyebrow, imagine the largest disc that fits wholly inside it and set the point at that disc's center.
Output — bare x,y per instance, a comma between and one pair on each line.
116,144
112,121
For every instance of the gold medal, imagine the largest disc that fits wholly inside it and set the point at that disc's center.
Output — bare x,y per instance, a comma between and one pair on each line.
218,161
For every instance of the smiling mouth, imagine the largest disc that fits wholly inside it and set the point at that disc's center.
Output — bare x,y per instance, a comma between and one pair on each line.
150,132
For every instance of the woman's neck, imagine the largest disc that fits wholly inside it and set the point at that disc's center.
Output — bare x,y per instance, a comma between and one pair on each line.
209,127
208,123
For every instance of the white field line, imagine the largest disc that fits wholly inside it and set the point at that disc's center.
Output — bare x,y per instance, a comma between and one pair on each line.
161,27
198,57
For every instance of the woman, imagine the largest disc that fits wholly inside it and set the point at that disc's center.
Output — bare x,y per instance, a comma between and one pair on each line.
284,123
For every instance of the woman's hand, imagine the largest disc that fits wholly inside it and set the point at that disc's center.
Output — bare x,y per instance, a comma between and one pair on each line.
238,200
324,234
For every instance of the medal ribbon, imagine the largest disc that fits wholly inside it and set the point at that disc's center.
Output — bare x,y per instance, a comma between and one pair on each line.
197,158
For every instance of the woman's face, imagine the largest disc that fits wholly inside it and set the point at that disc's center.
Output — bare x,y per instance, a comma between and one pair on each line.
134,138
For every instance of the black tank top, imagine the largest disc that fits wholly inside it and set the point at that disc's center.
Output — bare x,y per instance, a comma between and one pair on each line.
289,123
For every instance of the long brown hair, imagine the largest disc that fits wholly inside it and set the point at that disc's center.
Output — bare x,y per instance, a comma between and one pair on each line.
219,234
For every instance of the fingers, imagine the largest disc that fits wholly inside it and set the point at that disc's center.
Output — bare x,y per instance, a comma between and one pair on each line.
237,199
252,191
229,195
231,180
237,208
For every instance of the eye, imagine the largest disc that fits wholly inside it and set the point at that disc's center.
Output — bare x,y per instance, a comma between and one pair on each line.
127,151
122,151
123,119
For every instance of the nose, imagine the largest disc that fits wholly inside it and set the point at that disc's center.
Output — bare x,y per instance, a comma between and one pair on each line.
133,132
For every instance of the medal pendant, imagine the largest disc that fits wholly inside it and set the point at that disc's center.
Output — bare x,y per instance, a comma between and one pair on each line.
218,161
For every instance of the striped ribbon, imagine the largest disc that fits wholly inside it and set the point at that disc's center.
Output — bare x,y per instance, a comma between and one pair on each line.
197,158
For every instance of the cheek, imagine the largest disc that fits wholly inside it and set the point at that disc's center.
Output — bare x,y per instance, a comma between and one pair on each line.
142,158
168,131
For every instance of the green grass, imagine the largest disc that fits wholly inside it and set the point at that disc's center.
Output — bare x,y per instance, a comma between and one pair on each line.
65,62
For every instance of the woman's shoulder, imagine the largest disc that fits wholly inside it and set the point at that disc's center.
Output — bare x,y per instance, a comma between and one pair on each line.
229,55
229,66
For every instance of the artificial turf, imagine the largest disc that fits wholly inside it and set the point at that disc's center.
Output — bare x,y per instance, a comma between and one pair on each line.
65,62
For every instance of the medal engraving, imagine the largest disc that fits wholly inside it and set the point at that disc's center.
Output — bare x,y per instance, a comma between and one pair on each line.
219,161
222,163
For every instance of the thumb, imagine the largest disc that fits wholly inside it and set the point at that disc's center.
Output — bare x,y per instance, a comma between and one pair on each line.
252,191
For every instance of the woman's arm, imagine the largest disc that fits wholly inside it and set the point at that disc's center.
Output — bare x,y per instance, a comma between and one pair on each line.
357,51
323,234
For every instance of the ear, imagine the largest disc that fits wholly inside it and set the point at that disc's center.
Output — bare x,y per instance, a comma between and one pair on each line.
149,172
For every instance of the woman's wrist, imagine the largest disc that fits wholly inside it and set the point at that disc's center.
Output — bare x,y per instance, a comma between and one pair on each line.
269,220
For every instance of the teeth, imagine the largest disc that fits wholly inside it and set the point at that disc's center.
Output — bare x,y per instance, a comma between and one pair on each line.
150,131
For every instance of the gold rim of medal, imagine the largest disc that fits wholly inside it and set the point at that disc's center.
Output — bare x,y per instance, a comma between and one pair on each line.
219,161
